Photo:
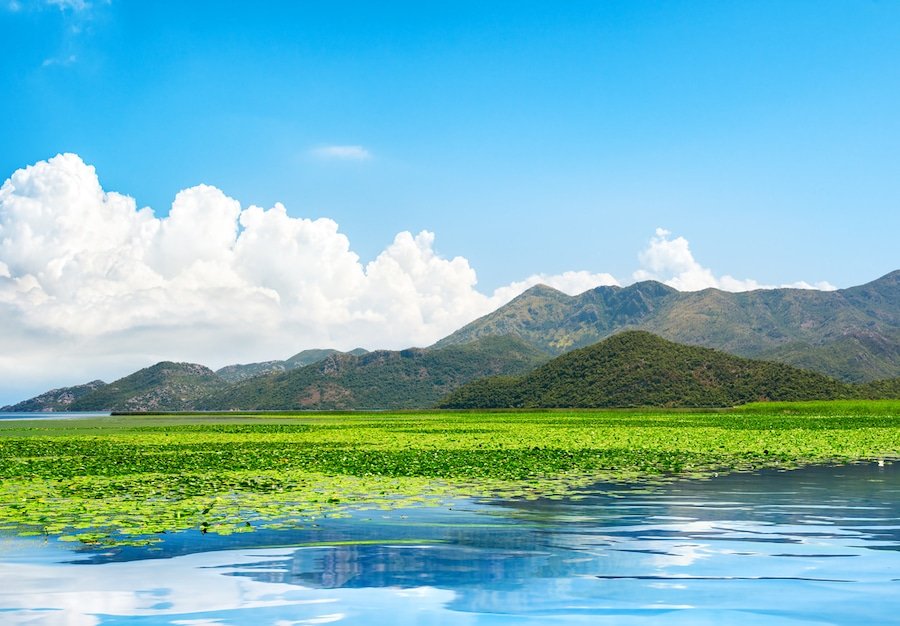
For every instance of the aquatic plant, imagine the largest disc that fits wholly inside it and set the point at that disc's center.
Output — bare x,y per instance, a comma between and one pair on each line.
125,479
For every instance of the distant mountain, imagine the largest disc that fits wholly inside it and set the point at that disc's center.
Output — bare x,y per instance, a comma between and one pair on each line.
165,386
637,368
851,334
382,379
243,371
878,389
235,373
56,399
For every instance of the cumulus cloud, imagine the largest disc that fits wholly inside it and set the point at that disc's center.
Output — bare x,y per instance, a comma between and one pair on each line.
342,153
670,260
572,283
82,261
91,284
821,285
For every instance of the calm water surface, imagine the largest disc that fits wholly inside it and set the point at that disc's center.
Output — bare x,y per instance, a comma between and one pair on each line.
814,546
51,415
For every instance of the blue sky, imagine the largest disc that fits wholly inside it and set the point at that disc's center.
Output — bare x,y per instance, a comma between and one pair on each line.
528,139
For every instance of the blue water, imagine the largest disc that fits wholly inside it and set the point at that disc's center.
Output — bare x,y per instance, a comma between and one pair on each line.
57,415
813,546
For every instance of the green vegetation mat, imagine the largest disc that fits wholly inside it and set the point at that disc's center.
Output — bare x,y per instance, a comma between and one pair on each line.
124,479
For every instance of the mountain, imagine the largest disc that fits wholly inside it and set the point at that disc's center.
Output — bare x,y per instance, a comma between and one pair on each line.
851,334
165,386
637,368
238,372
56,399
382,379
880,389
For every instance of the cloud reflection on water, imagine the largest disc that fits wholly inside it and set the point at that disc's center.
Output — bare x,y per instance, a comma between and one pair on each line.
821,545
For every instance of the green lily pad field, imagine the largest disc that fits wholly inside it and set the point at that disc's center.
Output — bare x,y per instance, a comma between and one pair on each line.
129,479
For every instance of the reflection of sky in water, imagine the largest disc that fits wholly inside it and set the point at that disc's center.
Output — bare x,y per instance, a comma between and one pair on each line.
61,415
817,546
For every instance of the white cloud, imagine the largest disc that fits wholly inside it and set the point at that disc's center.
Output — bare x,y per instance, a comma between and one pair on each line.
671,261
73,33
74,5
343,153
822,285
91,285
63,61
212,277
203,589
572,283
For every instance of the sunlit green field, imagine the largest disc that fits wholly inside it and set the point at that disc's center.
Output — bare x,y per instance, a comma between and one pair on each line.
122,479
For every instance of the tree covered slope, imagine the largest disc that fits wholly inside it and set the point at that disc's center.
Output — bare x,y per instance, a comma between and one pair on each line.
637,368
166,386
382,379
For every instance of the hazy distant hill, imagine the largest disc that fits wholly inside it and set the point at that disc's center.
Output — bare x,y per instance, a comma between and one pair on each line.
165,386
880,389
382,379
238,372
637,368
56,399
852,334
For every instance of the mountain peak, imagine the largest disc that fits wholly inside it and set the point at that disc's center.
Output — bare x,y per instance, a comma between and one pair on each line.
542,291
651,286
164,386
173,367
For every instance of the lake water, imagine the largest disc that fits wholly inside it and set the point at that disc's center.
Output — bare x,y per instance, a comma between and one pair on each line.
813,546
59,415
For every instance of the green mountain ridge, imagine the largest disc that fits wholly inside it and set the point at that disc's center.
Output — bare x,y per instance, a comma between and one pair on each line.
413,378
166,386
851,334
243,371
382,379
638,369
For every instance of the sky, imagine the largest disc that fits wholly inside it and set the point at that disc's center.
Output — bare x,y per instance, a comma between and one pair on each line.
227,182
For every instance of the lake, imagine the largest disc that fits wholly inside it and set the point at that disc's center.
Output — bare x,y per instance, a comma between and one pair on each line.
820,545
50,415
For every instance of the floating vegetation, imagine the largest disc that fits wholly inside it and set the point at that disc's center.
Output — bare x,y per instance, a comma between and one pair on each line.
123,480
